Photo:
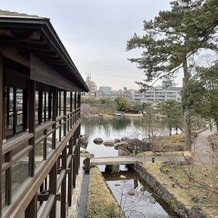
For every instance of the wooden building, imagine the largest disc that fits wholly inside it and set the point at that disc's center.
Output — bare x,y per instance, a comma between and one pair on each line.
40,90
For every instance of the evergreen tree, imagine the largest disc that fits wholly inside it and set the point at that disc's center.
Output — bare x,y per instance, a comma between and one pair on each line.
123,104
171,39
201,93
172,115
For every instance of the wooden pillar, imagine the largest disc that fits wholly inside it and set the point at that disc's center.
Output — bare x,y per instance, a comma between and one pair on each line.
74,171
75,100
25,109
14,110
44,106
1,126
8,108
79,144
8,180
53,188
63,184
60,113
40,107
32,89
31,210
79,105
59,102
71,109
79,100
54,115
49,105
65,112
70,174
74,161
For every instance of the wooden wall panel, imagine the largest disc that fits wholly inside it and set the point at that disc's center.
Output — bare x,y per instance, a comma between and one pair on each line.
1,127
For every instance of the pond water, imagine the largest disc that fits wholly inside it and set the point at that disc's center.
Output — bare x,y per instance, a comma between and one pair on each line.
110,129
144,203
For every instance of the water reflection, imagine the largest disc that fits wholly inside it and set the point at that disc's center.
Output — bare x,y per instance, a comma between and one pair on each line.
106,126
135,198
108,129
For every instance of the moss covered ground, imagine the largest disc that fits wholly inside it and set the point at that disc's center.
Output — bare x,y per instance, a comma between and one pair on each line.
190,184
101,203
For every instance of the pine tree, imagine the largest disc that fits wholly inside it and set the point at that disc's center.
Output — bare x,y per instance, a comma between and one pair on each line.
171,39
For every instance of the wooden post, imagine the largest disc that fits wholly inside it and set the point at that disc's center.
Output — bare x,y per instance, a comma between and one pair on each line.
14,110
31,210
49,105
75,100
79,144
40,107
60,113
71,109
65,112
74,161
44,105
53,188
32,88
54,115
70,174
25,110
1,126
8,180
63,184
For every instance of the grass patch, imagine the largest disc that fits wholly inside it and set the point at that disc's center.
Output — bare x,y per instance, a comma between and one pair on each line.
101,203
160,154
86,155
190,184
171,141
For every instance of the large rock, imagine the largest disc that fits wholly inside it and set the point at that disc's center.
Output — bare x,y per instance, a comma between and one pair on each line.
145,145
120,144
131,192
109,142
98,140
125,139
117,140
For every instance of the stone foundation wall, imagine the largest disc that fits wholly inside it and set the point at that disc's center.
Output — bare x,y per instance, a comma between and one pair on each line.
182,210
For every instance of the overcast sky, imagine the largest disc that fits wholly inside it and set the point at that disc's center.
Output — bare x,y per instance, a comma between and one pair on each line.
95,33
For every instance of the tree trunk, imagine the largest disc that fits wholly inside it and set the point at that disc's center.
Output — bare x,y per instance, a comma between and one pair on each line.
187,117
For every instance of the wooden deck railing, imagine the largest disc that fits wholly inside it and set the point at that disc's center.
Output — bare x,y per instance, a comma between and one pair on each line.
62,154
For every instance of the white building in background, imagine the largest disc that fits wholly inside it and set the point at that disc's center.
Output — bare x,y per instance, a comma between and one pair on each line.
164,92
105,88
109,94
156,94
92,86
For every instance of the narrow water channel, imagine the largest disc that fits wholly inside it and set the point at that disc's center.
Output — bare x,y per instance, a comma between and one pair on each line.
135,197
132,194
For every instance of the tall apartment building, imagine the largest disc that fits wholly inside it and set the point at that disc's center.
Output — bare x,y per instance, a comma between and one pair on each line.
92,86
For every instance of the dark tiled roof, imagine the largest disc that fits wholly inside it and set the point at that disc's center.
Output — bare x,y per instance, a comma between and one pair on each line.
12,13
36,35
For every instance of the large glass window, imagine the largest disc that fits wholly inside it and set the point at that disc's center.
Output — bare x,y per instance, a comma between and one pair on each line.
43,111
15,116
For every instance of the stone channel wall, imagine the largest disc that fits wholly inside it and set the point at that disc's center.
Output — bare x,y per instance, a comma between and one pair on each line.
182,210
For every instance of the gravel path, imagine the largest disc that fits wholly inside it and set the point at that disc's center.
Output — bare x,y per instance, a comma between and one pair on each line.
83,197
201,149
